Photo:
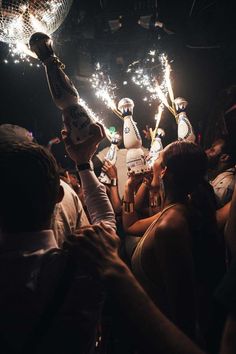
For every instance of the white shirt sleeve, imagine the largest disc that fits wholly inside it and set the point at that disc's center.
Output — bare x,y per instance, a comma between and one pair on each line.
96,199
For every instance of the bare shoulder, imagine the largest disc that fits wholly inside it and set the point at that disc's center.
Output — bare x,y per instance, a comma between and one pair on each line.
174,218
173,225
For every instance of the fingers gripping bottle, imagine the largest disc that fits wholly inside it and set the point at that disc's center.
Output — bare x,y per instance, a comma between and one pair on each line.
156,147
111,156
185,130
76,119
135,160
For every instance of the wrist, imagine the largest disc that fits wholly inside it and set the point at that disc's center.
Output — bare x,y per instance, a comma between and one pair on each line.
128,207
82,166
117,270
113,182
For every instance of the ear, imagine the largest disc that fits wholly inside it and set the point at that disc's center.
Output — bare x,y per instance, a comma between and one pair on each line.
163,172
60,194
224,158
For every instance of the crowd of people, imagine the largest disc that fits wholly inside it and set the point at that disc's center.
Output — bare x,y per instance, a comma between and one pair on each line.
93,268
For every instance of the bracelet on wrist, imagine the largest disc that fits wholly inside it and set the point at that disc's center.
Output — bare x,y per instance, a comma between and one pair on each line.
113,182
128,207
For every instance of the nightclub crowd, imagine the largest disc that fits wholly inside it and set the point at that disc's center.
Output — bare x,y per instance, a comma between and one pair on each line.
108,259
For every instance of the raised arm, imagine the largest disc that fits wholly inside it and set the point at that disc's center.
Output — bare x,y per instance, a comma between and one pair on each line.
130,218
141,199
96,199
111,172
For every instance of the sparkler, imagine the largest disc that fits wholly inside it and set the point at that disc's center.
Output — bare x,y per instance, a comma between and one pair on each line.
104,89
20,53
157,118
95,117
146,74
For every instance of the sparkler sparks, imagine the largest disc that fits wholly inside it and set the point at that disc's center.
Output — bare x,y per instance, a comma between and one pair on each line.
95,117
158,116
20,53
148,72
105,89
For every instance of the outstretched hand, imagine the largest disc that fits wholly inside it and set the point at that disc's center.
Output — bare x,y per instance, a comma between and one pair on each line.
83,152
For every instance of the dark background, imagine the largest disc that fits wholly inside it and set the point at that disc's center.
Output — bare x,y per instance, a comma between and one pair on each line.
202,49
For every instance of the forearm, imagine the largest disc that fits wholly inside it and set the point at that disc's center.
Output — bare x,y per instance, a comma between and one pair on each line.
115,199
141,196
149,328
96,199
129,214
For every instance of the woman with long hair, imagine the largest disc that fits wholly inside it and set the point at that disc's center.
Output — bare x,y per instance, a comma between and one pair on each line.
163,259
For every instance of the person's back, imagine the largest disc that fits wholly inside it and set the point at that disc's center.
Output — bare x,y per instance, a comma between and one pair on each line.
48,303
45,304
163,259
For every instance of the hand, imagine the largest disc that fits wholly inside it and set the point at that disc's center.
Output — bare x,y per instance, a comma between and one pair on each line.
147,179
134,180
54,141
109,169
83,152
97,245
147,133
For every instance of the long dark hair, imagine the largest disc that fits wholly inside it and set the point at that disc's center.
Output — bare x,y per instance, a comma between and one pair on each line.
187,164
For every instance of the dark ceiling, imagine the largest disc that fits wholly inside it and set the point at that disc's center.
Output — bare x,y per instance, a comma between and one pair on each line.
199,38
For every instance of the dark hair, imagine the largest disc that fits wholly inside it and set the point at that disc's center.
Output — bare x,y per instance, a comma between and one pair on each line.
186,163
30,185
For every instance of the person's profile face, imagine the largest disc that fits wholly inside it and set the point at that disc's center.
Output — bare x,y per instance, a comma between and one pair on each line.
214,152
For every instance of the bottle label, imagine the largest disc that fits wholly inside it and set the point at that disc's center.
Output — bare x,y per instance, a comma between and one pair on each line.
184,127
111,154
77,122
59,82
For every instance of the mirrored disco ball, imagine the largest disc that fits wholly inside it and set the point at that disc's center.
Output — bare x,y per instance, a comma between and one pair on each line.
20,19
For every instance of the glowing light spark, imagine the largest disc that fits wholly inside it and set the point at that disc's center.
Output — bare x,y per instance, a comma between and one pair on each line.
167,71
20,49
94,116
158,116
148,72
104,89
19,52
152,52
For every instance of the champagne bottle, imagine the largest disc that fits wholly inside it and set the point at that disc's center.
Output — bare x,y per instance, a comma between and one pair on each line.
185,130
65,96
111,156
131,135
155,148
135,160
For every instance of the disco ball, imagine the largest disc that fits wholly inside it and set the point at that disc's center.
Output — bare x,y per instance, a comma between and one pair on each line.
20,19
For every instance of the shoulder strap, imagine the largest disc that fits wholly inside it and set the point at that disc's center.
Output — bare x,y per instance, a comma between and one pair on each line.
136,260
